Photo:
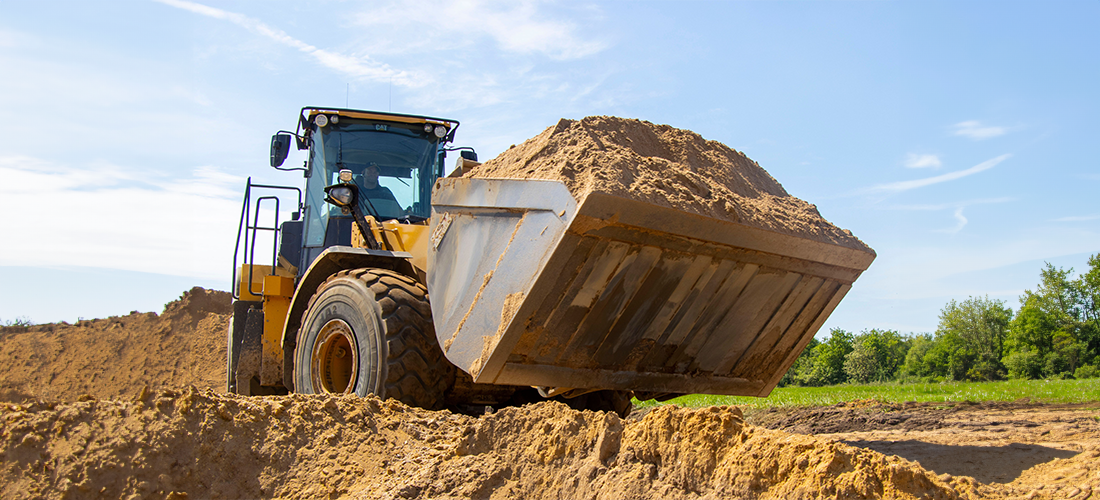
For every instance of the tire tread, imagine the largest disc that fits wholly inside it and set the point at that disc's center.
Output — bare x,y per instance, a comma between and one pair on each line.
417,373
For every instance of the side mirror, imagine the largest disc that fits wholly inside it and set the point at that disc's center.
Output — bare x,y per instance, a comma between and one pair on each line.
469,155
280,147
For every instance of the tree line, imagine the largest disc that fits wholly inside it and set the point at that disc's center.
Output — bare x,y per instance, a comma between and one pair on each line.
1055,333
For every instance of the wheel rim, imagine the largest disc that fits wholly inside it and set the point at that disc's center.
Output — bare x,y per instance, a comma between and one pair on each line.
335,359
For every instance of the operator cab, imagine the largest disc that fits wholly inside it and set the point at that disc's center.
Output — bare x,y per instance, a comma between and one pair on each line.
393,161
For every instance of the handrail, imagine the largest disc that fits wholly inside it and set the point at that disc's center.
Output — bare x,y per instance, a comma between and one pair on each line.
247,230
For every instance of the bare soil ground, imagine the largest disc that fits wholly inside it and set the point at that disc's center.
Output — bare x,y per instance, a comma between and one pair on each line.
1016,443
80,422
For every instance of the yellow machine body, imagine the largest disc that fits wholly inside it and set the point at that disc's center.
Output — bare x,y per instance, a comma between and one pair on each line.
531,287
275,288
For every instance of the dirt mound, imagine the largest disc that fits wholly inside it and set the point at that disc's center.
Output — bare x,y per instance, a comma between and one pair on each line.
664,166
196,443
118,356
199,444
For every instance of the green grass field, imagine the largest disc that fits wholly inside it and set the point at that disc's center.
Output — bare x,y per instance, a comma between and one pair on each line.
1043,391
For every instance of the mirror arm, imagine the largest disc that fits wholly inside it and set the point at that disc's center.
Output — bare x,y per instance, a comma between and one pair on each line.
365,228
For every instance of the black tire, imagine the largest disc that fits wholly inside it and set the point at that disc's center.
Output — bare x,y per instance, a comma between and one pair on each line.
369,331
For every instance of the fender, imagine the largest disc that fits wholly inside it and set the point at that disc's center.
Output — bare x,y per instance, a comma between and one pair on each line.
333,260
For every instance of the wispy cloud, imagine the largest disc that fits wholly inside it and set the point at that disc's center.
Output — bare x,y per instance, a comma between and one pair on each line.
487,52
521,27
360,67
933,270
961,220
950,176
119,218
922,161
955,204
974,129
1077,218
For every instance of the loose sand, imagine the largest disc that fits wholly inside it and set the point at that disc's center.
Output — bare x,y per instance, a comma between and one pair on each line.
206,445
187,440
120,355
664,166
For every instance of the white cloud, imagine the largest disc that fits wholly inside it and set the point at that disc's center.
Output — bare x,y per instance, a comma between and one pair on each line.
1077,218
955,204
922,161
950,176
962,220
105,216
361,67
937,270
521,27
958,206
974,129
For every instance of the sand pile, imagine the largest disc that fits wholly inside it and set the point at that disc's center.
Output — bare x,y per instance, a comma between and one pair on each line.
118,356
199,444
664,166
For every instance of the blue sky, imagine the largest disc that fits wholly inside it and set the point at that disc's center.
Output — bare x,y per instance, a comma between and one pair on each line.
955,138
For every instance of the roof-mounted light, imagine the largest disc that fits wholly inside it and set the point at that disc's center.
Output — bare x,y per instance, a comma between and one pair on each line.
428,128
321,120
440,131
334,119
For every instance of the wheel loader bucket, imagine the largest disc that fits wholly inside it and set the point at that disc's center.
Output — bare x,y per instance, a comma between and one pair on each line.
529,287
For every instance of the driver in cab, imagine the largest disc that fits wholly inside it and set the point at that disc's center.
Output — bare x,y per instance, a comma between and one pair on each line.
371,189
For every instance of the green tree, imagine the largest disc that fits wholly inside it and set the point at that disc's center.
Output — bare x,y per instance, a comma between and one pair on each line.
826,364
805,359
1024,363
915,365
1088,296
981,325
876,356
1057,329
949,358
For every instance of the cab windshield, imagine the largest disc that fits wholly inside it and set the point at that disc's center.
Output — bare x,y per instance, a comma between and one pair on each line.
392,164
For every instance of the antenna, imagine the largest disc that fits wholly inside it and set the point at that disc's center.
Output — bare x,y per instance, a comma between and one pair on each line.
346,94
390,108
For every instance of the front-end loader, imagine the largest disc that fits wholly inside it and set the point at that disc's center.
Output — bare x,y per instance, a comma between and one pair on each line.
393,279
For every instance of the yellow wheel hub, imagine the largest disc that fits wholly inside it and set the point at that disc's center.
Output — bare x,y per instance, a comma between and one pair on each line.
335,359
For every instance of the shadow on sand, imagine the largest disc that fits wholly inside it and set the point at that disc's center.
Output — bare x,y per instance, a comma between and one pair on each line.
988,464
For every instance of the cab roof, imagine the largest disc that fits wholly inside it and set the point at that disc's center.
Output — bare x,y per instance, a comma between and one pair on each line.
308,112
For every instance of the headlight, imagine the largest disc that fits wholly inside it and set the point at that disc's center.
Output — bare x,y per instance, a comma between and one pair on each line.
341,195
321,120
